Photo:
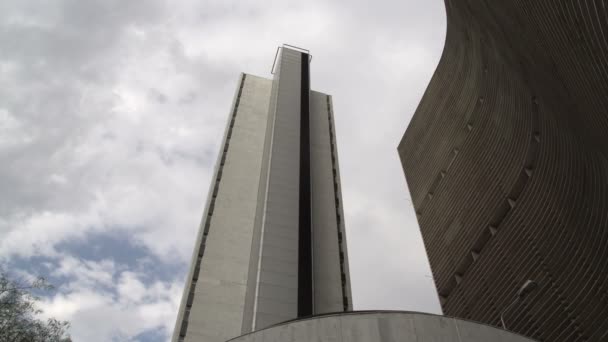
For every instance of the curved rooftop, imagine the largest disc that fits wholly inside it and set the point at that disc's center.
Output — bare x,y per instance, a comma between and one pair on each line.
381,326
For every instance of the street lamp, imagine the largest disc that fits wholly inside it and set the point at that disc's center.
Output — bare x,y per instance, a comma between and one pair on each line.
526,289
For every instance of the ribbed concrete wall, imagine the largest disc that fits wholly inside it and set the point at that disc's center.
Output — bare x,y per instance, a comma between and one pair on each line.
370,326
506,162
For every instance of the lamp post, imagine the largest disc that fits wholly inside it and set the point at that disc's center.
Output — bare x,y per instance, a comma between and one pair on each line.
526,289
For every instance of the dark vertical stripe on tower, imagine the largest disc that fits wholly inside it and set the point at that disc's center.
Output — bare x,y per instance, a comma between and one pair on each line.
305,238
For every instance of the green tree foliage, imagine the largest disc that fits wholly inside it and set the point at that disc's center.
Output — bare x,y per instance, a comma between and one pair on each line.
18,313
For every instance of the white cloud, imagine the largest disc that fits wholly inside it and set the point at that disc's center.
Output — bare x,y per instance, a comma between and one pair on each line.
12,132
104,302
130,287
87,274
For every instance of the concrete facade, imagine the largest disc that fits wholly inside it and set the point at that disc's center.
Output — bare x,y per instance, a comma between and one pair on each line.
331,286
381,327
276,284
250,268
506,159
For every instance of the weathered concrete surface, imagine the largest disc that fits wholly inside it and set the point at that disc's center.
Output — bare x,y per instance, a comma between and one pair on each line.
506,162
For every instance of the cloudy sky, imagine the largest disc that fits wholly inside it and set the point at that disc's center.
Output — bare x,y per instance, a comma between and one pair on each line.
111,115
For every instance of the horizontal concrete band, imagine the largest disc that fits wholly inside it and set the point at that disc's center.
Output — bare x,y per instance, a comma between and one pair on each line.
381,326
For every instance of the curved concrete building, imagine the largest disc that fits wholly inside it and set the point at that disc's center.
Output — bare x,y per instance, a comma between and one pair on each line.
506,159
381,326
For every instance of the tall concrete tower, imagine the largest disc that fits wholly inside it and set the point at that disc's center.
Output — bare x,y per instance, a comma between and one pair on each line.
271,246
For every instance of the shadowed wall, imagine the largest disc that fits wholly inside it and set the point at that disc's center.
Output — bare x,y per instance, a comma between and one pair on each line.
506,162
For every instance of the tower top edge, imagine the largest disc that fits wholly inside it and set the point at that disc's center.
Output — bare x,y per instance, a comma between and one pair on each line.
295,48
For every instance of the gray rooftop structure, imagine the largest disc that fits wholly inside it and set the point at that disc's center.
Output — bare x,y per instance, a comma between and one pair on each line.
381,326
